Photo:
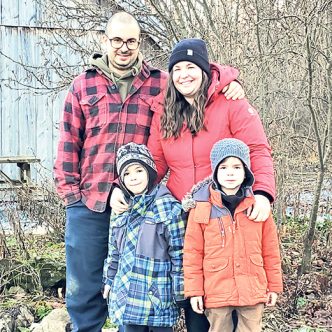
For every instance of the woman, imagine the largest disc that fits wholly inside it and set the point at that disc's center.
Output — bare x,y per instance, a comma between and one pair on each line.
194,115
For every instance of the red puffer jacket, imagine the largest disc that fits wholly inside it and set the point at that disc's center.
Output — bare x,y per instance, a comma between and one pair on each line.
188,157
231,262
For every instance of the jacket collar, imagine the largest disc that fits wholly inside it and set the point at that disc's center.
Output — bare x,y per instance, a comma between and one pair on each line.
140,203
216,198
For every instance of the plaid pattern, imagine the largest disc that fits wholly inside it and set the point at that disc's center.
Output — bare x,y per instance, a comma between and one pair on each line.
95,124
144,289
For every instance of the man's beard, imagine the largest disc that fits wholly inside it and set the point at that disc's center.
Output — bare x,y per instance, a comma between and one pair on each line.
122,65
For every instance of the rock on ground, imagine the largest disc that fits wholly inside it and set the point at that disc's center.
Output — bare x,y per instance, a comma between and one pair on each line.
56,320
13,318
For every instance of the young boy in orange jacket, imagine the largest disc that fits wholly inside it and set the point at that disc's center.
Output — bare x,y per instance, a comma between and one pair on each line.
230,262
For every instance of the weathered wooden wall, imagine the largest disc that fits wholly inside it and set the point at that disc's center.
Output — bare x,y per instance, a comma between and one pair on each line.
29,111
28,120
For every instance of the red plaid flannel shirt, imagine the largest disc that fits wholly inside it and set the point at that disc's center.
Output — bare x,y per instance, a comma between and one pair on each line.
95,124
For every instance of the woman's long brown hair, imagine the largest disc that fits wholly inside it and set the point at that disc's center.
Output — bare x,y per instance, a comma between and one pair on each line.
178,111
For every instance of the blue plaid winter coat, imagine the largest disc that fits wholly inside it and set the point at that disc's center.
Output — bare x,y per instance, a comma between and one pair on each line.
144,263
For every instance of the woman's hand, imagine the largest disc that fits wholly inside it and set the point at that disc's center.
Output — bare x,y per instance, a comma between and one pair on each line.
260,210
233,91
118,202
197,304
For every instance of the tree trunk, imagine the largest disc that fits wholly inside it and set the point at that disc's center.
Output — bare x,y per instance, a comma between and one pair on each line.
309,239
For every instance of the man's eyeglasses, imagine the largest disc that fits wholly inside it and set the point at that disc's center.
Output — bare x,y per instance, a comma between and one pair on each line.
132,43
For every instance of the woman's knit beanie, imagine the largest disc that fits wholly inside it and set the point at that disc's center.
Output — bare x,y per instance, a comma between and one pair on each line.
193,50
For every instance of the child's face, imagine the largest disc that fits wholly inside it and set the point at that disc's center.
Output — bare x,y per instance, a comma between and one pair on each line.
230,175
135,178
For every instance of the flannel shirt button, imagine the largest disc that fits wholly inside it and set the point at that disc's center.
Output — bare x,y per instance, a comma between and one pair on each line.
120,127
113,87
237,265
150,292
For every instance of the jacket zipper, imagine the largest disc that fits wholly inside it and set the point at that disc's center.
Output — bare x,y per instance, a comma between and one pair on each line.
221,224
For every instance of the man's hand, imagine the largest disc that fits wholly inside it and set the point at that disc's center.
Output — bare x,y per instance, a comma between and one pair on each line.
106,291
197,304
118,202
260,210
233,91
271,299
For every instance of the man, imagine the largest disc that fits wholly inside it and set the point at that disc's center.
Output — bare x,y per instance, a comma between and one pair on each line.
107,106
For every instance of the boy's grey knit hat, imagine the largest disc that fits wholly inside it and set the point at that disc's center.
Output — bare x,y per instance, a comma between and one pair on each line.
231,147
133,153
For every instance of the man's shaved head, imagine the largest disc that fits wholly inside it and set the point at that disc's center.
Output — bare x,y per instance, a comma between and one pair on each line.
121,17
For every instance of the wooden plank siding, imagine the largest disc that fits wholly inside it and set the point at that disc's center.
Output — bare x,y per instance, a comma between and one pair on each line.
20,13
29,122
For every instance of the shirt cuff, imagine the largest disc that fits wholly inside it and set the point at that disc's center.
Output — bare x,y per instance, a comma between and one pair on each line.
264,193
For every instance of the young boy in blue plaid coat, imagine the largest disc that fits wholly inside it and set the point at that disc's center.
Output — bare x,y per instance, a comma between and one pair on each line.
143,273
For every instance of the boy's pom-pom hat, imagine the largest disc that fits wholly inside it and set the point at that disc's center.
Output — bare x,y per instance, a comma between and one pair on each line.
231,147
133,153
193,50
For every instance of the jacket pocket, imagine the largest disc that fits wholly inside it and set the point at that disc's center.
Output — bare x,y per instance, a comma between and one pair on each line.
144,113
218,277
94,108
154,297
259,280
215,265
216,270
257,260
161,297
152,240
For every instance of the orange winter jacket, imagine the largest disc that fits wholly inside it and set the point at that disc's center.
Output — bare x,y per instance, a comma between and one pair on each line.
231,262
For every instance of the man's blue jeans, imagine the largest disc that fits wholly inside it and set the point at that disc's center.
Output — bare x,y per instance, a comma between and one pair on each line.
86,248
